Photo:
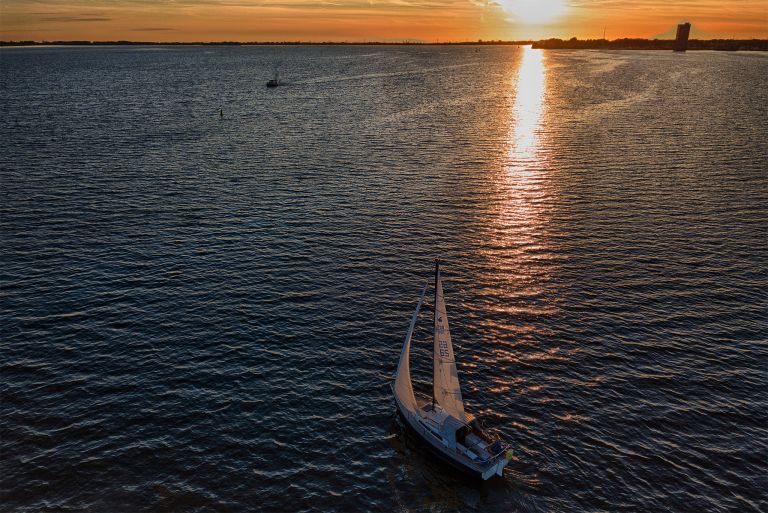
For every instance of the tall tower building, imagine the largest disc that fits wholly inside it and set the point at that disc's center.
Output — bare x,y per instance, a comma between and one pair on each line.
681,41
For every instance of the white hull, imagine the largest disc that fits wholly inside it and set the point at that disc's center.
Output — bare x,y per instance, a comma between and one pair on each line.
453,456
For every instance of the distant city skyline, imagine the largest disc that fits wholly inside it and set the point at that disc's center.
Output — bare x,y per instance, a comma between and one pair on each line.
372,20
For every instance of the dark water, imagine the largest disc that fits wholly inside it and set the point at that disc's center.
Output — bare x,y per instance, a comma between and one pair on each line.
203,314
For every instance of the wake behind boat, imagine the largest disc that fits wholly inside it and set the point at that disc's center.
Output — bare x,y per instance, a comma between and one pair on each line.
441,423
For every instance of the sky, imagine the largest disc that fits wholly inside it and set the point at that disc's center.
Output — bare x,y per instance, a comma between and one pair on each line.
375,20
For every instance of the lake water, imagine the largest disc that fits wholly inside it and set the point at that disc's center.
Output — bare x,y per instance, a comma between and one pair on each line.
204,314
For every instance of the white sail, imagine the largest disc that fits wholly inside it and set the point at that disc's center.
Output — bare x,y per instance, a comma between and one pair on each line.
447,392
403,386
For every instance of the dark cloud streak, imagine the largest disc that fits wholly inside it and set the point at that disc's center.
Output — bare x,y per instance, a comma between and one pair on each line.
73,18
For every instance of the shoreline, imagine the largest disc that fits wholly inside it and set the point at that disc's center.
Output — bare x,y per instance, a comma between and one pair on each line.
546,44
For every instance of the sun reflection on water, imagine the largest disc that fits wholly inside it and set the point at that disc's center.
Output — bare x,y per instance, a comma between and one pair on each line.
525,150
519,242
520,211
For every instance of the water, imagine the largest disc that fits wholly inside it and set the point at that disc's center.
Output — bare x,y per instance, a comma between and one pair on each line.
203,314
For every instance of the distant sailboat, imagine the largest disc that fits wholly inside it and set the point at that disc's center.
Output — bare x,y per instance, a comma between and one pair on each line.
275,81
441,423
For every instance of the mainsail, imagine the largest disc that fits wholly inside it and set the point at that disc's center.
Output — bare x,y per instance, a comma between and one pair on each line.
403,386
446,392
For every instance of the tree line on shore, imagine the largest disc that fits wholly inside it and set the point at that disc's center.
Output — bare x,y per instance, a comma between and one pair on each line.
553,43
654,44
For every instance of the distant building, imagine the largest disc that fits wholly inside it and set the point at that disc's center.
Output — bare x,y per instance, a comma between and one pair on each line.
681,41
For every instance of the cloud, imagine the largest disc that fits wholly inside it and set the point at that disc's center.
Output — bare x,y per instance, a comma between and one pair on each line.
73,18
28,30
371,19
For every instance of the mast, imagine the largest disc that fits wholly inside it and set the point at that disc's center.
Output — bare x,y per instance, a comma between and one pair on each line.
434,323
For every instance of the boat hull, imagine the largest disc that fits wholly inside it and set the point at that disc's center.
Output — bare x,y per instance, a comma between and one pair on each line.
482,474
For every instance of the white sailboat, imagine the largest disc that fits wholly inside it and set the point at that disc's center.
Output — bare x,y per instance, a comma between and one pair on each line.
441,422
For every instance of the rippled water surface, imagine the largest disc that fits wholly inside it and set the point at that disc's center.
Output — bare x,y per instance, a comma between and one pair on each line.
204,314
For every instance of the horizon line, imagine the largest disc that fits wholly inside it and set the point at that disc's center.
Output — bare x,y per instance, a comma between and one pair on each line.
405,41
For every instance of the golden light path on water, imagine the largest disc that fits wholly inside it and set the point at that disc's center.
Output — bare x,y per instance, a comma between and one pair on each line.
525,155
519,245
519,222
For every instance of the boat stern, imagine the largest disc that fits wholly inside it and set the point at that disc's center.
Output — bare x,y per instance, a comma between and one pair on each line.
498,468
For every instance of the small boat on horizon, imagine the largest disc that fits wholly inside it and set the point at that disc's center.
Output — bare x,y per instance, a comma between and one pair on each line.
441,423
275,80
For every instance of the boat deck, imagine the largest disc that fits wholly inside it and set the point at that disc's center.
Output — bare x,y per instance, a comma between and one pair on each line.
466,440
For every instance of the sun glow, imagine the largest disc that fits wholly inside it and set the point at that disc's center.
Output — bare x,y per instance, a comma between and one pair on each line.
534,11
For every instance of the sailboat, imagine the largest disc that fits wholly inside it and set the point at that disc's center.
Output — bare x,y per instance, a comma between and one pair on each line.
452,434
275,80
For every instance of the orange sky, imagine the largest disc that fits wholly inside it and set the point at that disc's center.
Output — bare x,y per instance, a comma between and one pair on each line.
375,20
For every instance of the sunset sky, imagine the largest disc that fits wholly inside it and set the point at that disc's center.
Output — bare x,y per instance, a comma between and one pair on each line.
375,20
